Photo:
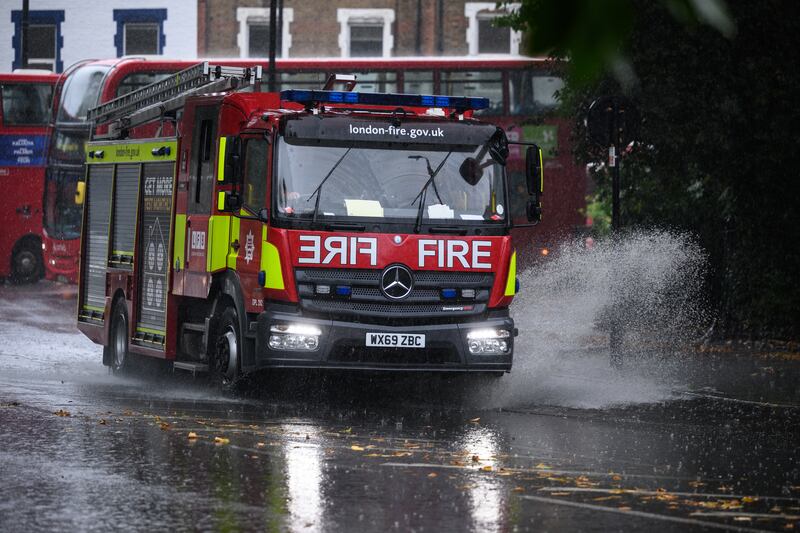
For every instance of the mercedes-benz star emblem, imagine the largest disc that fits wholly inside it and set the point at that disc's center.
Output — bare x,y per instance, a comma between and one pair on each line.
396,282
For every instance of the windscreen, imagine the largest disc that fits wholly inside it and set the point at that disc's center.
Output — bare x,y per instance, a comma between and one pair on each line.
388,182
81,92
26,104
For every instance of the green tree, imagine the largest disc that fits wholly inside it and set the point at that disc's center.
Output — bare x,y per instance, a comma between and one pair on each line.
717,150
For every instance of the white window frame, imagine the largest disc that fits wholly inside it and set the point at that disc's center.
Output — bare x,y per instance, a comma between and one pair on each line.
471,10
260,15
125,36
346,17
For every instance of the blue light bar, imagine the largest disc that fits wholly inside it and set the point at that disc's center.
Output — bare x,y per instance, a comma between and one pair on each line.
449,293
461,103
343,290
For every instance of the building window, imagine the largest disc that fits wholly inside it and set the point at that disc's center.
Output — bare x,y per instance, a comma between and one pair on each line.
140,31
365,32
253,38
44,39
483,37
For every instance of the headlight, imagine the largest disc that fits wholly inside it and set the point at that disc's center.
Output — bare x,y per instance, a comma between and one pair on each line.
298,337
488,341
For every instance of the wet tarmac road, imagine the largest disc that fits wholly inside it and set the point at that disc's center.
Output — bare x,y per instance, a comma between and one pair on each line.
82,450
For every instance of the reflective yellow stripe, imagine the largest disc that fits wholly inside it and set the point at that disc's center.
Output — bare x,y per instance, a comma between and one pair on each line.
234,235
221,159
541,172
511,281
221,201
131,152
218,242
180,242
271,263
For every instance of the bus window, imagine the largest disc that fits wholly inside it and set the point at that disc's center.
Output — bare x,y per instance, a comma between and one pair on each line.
418,82
137,80
488,84
376,82
533,92
298,80
26,104
80,93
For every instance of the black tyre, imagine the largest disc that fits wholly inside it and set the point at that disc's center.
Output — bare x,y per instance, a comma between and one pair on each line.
26,262
225,360
118,338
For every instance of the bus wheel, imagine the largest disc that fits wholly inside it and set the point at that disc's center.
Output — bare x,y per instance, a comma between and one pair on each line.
26,263
227,348
118,339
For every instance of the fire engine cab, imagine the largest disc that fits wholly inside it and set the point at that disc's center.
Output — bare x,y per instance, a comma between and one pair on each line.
228,229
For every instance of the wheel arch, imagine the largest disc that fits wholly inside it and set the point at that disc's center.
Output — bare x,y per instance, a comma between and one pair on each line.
226,289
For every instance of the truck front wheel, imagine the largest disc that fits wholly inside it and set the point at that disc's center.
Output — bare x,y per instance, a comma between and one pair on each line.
26,262
227,349
118,341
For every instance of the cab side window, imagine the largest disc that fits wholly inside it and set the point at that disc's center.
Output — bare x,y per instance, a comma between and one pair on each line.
201,172
255,174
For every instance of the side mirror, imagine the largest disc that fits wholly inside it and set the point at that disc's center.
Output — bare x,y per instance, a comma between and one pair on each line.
534,171
534,177
533,210
228,201
498,147
471,171
263,214
232,169
80,192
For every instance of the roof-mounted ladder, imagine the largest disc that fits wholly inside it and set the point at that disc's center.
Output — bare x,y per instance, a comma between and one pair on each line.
163,97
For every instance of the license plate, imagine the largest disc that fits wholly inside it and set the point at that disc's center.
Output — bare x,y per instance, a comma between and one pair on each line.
396,340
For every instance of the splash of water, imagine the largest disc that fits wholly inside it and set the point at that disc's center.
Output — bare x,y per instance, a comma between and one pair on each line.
647,284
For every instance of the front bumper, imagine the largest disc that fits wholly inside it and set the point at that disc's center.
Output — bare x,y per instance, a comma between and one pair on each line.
342,345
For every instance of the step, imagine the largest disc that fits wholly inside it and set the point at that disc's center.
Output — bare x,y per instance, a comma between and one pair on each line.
190,366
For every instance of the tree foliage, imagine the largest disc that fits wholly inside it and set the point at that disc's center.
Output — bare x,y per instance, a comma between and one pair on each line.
718,147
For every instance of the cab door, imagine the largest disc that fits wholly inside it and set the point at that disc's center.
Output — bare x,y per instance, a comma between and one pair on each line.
196,278
255,160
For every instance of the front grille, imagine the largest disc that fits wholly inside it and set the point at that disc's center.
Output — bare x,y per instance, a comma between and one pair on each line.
367,299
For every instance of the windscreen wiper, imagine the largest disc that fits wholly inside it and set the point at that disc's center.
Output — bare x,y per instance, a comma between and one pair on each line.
421,195
321,183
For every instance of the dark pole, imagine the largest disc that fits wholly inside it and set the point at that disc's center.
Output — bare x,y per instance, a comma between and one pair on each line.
24,34
272,41
279,31
418,46
614,158
440,29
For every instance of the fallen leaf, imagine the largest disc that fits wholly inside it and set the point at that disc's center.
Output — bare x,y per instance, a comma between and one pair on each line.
260,444
103,422
164,426
487,468
433,474
696,484
192,435
742,519
458,463
356,448
402,454
544,466
606,498
475,458
624,508
748,499
616,478
221,440
475,420
560,493
61,412
518,489
347,430
410,446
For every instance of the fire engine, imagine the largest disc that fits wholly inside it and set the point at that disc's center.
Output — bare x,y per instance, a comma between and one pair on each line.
227,230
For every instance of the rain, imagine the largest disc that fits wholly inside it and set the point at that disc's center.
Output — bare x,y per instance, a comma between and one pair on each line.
531,316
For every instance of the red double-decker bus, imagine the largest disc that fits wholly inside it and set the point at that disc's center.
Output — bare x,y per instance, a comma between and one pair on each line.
522,93
24,134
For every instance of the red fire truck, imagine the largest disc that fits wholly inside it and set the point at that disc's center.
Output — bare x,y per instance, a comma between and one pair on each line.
24,134
523,101
307,228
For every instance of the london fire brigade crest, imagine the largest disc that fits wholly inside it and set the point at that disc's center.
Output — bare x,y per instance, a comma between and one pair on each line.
249,247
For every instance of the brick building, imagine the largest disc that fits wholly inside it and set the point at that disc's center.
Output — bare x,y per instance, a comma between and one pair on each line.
353,28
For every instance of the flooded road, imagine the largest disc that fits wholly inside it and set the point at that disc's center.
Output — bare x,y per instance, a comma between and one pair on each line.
708,443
